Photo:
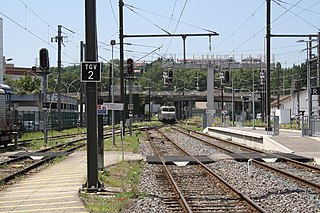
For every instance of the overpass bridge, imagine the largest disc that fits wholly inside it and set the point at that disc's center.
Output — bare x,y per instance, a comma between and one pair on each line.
186,98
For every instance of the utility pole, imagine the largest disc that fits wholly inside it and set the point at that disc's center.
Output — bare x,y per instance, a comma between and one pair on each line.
81,86
59,40
253,102
278,88
232,113
268,35
91,55
121,37
309,56
318,71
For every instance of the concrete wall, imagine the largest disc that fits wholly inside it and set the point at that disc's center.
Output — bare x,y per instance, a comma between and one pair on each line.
254,140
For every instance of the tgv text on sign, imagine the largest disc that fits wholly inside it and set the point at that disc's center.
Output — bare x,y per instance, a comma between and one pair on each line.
90,71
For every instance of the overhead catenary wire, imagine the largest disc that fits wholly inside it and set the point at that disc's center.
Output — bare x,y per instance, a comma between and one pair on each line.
178,22
171,19
165,17
297,15
304,9
39,17
261,30
113,14
243,23
150,21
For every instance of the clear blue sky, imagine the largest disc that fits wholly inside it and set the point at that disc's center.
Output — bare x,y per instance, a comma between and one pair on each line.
30,24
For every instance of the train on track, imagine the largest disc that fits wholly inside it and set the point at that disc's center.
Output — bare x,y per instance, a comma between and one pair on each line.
167,114
8,130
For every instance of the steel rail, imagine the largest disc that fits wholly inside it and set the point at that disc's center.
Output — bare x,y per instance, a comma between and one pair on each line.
181,197
34,165
250,148
292,176
210,172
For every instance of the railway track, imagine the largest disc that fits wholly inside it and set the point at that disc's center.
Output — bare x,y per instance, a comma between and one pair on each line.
21,164
273,188
306,174
195,188
25,143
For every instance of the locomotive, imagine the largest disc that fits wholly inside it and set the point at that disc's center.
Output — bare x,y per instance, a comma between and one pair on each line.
167,114
8,130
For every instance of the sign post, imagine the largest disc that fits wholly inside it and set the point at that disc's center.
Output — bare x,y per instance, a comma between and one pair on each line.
315,91
90,71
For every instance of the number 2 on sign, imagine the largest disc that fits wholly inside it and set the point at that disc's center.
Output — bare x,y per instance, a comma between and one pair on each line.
90,75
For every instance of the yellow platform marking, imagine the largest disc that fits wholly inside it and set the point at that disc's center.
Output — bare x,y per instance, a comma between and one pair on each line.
43,210
48,185
32,180
36,195
60,174
35,199
40,204
40,190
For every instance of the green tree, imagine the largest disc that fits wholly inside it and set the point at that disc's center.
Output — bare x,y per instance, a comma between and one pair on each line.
28,85
10,82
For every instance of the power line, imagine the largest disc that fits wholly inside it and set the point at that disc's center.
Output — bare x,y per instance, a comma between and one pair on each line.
113,14
297,15
254,35
162,16
26,6
305,9
149,21
241,25
178,22
171,18
26,29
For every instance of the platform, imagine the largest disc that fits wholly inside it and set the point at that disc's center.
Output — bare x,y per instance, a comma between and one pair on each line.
288,141
54,189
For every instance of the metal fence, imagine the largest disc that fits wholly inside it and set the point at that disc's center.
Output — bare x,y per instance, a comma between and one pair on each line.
315,127
31,121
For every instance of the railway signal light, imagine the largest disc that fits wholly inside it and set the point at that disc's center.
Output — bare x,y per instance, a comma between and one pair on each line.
263,75
34,69
44,59
130,67
170,76
298,85
226,77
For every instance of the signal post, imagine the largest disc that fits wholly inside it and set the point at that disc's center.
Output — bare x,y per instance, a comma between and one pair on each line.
130,75
91,73
44,66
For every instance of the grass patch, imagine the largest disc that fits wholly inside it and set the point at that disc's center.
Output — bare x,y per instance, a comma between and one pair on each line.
125,177
38,144
130,144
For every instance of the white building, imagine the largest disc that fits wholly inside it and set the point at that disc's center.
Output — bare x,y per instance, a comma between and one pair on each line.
290,102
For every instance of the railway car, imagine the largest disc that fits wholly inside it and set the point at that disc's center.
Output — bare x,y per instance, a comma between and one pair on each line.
7,128
167,114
